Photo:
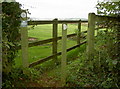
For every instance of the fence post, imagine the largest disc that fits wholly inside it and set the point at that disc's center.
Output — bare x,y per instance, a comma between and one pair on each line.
64,54
24,40
54,50
79,32
90,36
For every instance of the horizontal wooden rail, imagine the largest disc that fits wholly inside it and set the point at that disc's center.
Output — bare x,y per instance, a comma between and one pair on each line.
48,40
84,32
40,42
71,21
45,41
51,22
50,57
108,17
105,18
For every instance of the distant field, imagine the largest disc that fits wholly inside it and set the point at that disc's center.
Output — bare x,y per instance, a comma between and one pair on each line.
42,32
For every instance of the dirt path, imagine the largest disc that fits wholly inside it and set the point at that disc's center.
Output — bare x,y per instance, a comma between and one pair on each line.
45,81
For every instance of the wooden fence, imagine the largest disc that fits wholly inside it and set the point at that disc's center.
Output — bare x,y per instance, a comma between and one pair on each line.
54,39
92,21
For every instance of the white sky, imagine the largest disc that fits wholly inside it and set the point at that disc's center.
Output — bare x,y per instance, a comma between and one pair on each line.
59,8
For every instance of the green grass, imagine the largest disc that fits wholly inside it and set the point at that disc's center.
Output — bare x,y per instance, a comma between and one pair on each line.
42,32
56,72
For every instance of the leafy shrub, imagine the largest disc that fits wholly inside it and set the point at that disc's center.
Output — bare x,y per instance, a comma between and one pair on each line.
18,78
10,33
104,69
11,21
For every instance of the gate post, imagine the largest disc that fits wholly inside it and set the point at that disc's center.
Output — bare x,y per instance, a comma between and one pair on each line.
54,48
24,40
90,36
64,54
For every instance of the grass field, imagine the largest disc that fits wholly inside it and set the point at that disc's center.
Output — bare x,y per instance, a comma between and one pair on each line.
42,32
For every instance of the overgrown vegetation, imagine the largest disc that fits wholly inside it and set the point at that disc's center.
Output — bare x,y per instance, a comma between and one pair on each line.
12,77
103,71
10,32
18,79
112,41
108,8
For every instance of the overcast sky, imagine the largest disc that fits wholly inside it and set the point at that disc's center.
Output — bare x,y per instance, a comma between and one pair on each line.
59,8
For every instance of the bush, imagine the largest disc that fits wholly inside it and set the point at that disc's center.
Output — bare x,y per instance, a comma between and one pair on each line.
104,69
11,20
10,32
19,79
